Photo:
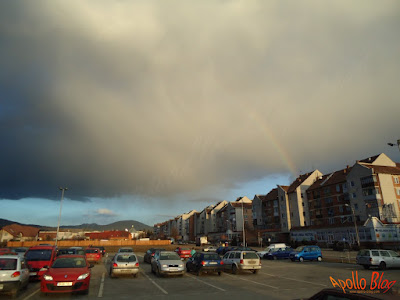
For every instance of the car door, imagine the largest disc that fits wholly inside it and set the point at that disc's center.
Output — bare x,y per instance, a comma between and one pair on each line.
385,256
24,271
395,257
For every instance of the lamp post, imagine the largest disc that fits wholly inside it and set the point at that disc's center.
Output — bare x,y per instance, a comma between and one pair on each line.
59,216
244,232
355,223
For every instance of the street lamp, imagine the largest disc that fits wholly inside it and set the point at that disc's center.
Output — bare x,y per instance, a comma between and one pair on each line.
59,216
392,144
355,223
244,232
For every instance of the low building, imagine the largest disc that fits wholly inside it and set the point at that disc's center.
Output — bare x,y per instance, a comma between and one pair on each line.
19,233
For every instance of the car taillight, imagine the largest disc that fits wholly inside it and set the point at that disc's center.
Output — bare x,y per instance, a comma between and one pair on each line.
152,254
241,261
137,264
115,265
221,262
15,274
203,263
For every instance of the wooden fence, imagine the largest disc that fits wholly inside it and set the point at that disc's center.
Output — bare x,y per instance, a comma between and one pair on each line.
86,243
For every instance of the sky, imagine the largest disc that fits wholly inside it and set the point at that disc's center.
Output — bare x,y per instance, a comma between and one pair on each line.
147,109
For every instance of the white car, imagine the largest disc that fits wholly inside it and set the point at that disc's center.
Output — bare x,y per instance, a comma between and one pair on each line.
14,274
210,249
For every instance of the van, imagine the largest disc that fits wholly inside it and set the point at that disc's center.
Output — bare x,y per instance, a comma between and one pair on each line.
39,258
271,248
241,260
303,253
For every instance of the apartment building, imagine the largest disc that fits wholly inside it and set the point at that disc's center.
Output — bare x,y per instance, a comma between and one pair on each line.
259,215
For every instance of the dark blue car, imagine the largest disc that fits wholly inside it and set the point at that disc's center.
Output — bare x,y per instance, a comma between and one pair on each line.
202,262
279,254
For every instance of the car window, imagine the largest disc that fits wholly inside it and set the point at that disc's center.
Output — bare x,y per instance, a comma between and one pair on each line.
363,253
8,264
250,255
384,253
38,255
375,253
237,255
226,256
299,249
232,255
76,262
211,256
126,258
169,256
393,253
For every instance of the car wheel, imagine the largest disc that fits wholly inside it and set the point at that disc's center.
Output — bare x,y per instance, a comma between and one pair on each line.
254,271
234,269
219,273
382,265
301,259
292,259
158,272
152,269
319,258
366,267
275,258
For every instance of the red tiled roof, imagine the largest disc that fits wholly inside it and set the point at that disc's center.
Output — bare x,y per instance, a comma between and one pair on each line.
384,169
299,180
272,195
331,179
26,231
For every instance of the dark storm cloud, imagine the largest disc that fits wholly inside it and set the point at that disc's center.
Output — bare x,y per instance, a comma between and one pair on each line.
159,98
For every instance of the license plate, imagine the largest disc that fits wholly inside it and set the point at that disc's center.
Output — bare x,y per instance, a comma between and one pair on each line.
32,274
213,263
173,269
252,262
1,286
64,283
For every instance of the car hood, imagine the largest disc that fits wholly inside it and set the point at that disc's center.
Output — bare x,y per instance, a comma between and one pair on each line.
71,273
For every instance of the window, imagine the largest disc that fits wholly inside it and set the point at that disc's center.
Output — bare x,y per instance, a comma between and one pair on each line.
384,253
341,208
398,192
331,221
337,188
396,180
355,206
304,213
344,187
302,196
354,195
352,183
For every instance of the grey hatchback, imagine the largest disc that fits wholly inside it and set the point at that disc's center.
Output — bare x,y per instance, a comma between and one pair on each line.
379,258
124,264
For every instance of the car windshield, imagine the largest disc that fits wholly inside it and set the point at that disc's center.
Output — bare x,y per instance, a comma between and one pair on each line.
8,264
92,251
38,255
126,250
250,255
299,249
170,256
213,256
126,258
73,262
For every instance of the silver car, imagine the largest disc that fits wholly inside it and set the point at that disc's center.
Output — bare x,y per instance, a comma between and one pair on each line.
124,264
242,260
379,258
14,274
125,249
167,263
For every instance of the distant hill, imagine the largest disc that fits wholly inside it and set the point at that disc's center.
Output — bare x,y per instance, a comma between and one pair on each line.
120,225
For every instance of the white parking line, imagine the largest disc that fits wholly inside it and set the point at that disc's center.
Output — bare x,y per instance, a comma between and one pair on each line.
101,286
299,280
153,282
29,296
274,287
194,277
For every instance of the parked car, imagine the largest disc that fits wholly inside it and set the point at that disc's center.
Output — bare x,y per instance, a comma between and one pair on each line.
271,248
167,263
303,253
279,254
124,264
210,249
220,249
125,250
20,251
205,262
93,255
14,274
150,253
225,250
183,252
70,251
241,248
378,258
68,273
242,260
38,258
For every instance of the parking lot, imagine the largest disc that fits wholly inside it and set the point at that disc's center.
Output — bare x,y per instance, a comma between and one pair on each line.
280,279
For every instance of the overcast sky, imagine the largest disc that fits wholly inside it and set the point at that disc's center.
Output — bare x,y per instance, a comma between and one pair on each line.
146,109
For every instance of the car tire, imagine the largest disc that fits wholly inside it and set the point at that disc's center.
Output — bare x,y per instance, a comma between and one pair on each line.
158,272
254,271
366,267
301,259
382,265
219,273
234,269
135,275
319,258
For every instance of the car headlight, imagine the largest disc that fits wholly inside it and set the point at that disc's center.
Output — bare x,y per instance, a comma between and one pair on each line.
296,255
164,266
48,277
83,276
180,266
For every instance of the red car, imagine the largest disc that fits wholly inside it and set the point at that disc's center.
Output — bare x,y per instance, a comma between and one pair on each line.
183,253
38,258
93,255
68,273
